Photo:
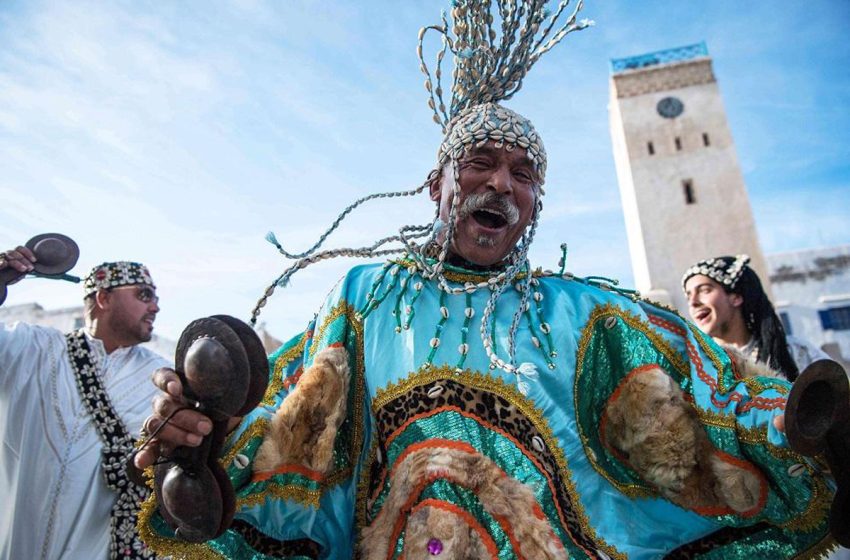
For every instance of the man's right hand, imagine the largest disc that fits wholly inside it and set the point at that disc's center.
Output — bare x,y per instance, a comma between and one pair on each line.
186,428
19,258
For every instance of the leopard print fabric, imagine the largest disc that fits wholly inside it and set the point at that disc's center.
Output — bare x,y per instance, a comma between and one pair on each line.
491,410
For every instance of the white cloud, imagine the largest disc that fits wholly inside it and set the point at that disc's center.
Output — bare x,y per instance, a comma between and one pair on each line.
179,134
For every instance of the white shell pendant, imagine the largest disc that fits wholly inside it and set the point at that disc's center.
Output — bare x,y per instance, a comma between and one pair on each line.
524,373
240,461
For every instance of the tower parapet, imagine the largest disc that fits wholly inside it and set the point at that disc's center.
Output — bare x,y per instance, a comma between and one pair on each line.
681,185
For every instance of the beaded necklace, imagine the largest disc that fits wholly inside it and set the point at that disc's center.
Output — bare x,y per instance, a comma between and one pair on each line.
400,282
493,46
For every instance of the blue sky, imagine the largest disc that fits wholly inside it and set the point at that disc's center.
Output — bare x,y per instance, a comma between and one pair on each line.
178,134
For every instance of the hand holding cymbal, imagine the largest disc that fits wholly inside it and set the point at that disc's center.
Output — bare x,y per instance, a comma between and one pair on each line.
49,254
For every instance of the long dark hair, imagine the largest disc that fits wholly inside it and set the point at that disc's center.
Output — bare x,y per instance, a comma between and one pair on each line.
764,325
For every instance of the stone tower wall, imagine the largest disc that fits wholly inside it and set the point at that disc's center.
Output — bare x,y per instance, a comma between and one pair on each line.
667,233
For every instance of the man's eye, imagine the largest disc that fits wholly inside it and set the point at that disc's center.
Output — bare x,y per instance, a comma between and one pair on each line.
523,175
145,295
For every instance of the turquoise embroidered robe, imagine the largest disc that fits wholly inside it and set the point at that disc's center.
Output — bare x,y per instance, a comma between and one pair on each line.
413,389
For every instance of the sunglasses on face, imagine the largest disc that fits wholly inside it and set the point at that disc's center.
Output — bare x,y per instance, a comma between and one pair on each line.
145,294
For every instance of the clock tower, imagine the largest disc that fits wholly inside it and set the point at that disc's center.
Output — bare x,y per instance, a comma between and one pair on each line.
682,190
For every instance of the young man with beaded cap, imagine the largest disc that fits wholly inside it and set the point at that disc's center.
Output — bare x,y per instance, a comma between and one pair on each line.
726,300
64,491
456,403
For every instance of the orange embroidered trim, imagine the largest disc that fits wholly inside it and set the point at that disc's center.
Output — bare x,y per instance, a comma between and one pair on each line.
522,449
760,403
466,516
316,476
550,483
293,379
665,324
702,510
763,403
736,372
435,442
525,406
746,465
409,505
506,527
697,361
603,422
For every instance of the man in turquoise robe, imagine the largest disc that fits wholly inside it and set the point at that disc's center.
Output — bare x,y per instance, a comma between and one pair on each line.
454,402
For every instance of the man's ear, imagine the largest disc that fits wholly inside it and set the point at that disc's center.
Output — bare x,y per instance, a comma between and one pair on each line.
102,299
435,187
737,300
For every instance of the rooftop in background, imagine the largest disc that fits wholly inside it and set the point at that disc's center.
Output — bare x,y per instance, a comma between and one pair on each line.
677,54
71,318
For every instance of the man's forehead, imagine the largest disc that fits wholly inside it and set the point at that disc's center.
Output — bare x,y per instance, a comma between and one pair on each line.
516,155
698,280
135,288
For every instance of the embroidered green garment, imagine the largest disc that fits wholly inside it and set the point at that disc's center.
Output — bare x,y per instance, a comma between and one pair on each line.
438,455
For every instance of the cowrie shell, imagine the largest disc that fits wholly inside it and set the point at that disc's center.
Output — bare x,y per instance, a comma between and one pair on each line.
537,444
240,461
796,470
435,391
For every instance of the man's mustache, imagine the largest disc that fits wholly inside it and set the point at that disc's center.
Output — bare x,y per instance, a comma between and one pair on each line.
490,201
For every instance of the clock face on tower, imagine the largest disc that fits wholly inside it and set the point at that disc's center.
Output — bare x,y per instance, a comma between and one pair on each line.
670,107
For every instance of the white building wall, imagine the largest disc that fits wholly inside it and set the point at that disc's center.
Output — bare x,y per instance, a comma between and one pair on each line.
808,281
69,319
666,234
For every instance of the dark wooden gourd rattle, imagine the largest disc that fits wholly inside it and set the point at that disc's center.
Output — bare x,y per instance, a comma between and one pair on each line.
222,365
817,420
56,254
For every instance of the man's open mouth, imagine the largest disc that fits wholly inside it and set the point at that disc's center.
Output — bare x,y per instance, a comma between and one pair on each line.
490,218
701,315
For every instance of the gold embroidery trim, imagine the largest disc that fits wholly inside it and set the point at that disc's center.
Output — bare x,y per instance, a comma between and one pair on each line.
350,314
477,380
819,502
295,492
280,364
716,419
753,384
302,495
631,490
819,551
166,546
361,506
818,507
255,430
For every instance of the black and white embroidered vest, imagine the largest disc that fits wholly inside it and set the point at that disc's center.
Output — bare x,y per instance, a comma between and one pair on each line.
117,446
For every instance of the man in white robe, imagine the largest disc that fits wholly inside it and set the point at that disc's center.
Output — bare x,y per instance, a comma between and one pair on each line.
56,503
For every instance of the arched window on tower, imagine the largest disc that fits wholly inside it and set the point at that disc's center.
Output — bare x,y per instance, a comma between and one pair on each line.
650,148
688,190
705,140
678,143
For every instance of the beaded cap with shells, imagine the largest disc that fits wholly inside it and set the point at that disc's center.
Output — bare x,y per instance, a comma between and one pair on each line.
494,45
724,270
